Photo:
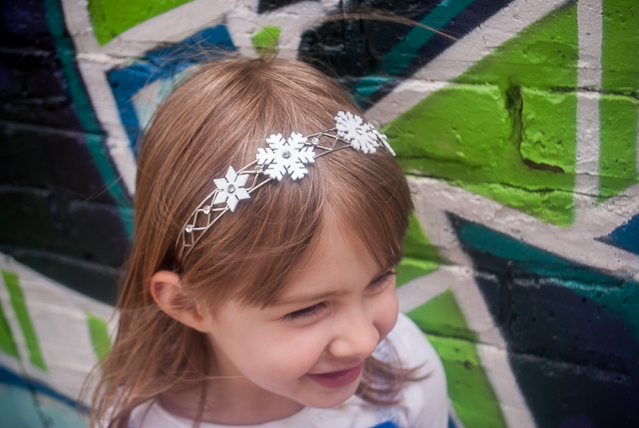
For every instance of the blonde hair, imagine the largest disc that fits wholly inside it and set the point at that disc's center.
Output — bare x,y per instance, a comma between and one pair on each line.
219,117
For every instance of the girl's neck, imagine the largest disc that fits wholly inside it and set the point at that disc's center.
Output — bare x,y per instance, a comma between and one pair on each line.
234,401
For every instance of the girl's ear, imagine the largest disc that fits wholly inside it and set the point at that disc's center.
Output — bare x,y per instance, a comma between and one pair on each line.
166,289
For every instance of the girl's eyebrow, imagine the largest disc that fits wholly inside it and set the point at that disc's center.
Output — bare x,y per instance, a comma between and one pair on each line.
307,298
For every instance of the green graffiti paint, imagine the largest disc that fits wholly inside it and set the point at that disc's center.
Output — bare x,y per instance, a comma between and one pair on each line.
618,152
549,130
111,18
7,344
265,41
416,244
84,110
99,336
22,313
544,56
409,269
499,133
442,316
463,134
420,256
469,389
468,386
620,47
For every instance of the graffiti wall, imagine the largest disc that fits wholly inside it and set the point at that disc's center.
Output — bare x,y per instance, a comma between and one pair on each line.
515,121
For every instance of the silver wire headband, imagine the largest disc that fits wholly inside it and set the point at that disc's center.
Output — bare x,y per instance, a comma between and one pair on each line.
281,158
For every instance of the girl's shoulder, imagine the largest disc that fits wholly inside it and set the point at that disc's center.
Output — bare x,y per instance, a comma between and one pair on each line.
424,402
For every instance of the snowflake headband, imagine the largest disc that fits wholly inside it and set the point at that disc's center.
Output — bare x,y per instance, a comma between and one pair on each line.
281,158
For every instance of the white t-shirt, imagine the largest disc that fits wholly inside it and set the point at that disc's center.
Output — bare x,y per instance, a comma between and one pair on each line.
424,404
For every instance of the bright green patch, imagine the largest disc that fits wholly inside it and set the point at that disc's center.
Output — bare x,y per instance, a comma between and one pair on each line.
420,256
111,18
99,336
417,245
544,55
493,134
7,344
618,152
265,42
442,316
20,308
410,268
468,385
620,46
464,134
549,139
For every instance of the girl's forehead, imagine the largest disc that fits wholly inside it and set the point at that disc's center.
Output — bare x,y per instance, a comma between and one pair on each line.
338,261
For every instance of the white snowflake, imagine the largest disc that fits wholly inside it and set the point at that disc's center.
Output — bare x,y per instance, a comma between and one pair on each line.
284,156
361,136
231,188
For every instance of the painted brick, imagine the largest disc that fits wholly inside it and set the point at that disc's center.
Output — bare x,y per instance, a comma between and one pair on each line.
52,220
47,158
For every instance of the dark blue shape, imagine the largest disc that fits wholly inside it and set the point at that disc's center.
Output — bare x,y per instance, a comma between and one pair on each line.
527,258
164,63
625,236
371,56
388,424
568,329
9,378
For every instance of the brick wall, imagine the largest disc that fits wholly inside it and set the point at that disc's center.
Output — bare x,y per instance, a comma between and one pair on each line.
515,121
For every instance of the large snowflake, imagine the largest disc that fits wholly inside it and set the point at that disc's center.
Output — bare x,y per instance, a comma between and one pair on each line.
286,156
361,136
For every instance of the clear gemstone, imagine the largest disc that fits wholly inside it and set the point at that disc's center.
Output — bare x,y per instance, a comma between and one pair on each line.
189,228
206,209
230,188
360,131
314,141
286,154
259,168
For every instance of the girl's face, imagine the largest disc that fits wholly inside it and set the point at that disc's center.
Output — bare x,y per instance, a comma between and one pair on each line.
309,345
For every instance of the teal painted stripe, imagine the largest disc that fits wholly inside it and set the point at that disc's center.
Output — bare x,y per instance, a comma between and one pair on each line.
398,58
99,336
621,297
22,313
7,343
84,110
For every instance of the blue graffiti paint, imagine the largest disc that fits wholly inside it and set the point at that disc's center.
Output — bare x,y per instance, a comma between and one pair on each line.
571,330
403,52
77,91
625,236
530,258
163,64
620,295
420,45
9,378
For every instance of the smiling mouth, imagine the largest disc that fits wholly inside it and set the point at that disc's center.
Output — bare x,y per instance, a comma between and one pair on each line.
334,380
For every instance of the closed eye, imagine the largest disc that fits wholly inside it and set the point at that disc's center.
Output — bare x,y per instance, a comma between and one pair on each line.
382,281
308,312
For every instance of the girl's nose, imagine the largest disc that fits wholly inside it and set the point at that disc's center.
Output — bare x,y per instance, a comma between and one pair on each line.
357,336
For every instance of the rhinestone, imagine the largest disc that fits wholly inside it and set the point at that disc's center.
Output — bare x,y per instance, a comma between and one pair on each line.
286,154
206,209
259,168
314,141
360,131
188,228
230,188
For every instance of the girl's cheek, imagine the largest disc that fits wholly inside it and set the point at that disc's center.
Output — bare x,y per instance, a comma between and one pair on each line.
387,309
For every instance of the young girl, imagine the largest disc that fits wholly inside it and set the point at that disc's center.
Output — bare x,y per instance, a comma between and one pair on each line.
260,290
